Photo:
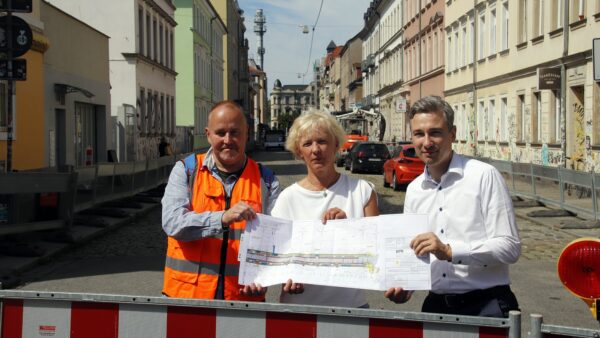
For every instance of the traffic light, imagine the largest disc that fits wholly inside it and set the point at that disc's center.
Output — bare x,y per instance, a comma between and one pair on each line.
22,6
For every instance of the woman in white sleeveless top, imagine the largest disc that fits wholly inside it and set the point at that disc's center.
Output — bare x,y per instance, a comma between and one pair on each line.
323,194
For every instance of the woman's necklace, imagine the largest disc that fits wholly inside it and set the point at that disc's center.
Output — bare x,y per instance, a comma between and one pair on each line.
317,187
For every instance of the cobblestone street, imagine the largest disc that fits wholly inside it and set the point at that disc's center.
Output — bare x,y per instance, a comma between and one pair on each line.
130,260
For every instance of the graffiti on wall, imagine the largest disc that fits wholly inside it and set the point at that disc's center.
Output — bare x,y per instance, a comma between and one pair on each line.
578,155
550,157
471,132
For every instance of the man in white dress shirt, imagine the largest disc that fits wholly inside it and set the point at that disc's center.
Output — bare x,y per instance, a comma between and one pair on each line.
474,235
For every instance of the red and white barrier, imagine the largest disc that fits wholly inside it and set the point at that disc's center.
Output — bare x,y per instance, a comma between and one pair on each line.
26,318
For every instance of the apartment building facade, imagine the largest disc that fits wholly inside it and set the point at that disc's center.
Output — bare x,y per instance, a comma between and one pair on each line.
199,50
233,48
289,99
142,69
77,121
496,52
351,74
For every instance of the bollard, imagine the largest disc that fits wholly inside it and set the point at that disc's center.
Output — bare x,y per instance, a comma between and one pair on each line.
514,318
536,326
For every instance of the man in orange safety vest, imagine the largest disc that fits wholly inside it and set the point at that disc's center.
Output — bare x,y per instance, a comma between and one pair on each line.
207,201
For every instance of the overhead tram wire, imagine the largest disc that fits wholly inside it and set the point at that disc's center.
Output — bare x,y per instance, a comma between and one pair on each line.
312,37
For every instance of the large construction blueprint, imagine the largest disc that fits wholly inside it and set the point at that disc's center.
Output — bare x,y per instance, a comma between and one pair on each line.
366,253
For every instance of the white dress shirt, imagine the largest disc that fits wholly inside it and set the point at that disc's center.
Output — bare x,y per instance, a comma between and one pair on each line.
471,210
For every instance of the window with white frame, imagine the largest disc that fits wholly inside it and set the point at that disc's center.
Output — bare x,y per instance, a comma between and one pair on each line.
505,22
140,30
466,127
144,110
450,61
482,36
171,50
148,36
556,21
577,10
493,31
554,116
503,119
415,65
161,45
154,40
424,54
491,125
436,50
463,42
481,134
522,21
430,55
458,122
457,58
472,32
521,120
538,18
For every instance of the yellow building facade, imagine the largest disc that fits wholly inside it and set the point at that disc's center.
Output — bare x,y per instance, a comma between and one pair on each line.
28,141
494,51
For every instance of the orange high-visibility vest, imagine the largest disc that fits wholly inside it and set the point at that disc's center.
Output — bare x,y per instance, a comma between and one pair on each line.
192,267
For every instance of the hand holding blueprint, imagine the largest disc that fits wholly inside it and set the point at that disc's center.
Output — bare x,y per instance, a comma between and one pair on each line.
366,253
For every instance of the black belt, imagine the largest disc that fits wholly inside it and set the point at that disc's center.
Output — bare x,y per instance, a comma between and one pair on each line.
453,300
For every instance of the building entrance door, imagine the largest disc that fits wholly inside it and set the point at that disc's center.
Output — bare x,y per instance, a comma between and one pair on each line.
85,134
60,138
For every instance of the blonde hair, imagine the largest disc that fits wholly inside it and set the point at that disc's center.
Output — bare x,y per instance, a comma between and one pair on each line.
314,120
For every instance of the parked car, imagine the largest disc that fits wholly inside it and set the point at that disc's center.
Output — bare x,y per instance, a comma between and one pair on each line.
403,167
366,156
275,139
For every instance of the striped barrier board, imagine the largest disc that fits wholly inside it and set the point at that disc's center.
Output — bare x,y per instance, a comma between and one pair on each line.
28,314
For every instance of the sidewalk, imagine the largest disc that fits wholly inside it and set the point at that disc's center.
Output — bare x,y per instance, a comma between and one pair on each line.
88,224
557,219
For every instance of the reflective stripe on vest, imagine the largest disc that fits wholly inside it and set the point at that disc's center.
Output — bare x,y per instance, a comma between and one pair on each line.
201,267
192,267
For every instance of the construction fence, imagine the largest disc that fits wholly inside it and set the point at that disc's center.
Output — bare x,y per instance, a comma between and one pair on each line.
47,199
567,189
75,315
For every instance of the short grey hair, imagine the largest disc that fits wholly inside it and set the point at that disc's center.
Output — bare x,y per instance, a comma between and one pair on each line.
314,120
433,104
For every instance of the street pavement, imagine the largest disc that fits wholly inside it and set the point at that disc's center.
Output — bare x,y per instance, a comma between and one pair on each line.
128,258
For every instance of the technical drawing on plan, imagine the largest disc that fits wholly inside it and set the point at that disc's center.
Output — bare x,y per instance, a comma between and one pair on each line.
361,253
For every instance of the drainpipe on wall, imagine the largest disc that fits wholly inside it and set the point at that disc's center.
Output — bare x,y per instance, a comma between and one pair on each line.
474,87
563,84
420,52
212,86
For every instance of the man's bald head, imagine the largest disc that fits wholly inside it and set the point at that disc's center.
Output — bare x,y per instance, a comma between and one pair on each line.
227,107
227,133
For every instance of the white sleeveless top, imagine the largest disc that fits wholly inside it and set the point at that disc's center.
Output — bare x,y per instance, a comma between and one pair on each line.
297,203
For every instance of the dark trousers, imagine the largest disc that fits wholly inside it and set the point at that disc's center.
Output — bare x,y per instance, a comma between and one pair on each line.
493,302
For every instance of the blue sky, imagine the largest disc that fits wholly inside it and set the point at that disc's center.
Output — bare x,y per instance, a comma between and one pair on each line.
287,48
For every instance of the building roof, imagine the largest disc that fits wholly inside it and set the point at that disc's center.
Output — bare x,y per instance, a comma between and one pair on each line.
331,45
255,71
335,53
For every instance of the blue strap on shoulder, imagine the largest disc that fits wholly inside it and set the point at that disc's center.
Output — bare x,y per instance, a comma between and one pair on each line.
266,174
190,164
